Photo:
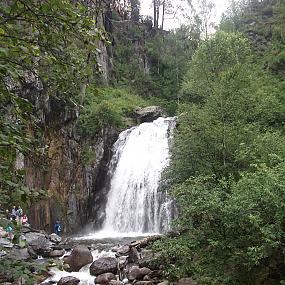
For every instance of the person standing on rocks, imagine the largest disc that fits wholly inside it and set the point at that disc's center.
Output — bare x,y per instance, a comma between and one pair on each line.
57,227
9,230
19,212
14,213
24,220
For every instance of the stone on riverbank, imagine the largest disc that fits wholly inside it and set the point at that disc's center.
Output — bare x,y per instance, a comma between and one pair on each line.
133,256
148,114
144,283
105,278
104,265
116,282
69,280
55,238
19,254
79,257
56,253
136,273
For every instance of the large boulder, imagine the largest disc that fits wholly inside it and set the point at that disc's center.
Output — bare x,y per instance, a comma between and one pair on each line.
133,255
104,265
41,245
57,253
79,257
105,278
19,254
5,243
123,250
68,280
148,114
133,273
31,236
136,273
55,238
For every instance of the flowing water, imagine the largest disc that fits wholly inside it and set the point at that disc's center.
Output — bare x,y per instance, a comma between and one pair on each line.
135,208
134,203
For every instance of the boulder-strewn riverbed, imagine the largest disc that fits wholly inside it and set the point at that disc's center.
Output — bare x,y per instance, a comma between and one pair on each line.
90,259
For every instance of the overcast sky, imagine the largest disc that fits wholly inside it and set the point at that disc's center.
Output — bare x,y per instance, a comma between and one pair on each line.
221,6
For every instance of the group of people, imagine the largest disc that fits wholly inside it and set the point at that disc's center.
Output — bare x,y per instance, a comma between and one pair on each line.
17,214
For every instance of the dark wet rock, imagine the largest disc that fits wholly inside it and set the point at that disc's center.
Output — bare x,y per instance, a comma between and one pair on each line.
133,273
105,278
146,278
79,257
123,261
187,281
124,250
148,114
56,253
68,280
136,273
144,271
19,254
104,265
133,255
6,277
55,238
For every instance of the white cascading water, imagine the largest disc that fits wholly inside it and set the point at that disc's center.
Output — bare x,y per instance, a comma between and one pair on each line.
134,203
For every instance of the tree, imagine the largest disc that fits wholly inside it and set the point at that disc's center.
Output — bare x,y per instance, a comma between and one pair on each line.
53,44
227,168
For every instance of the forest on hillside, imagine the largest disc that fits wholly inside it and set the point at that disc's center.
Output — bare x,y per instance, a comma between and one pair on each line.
226,87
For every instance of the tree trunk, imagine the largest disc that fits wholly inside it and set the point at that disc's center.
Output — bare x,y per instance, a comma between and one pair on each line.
163,13
157,15
154,13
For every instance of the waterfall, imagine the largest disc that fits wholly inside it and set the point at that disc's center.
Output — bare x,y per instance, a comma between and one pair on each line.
134,203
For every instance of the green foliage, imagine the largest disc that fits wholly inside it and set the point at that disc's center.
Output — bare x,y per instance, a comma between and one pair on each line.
263,22
48,45
107,107
235,228
153,63
31,273
227,169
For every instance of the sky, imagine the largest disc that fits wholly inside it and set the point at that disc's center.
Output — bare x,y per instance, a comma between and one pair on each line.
220,7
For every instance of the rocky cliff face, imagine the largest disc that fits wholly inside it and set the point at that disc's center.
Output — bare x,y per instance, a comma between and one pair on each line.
68,166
